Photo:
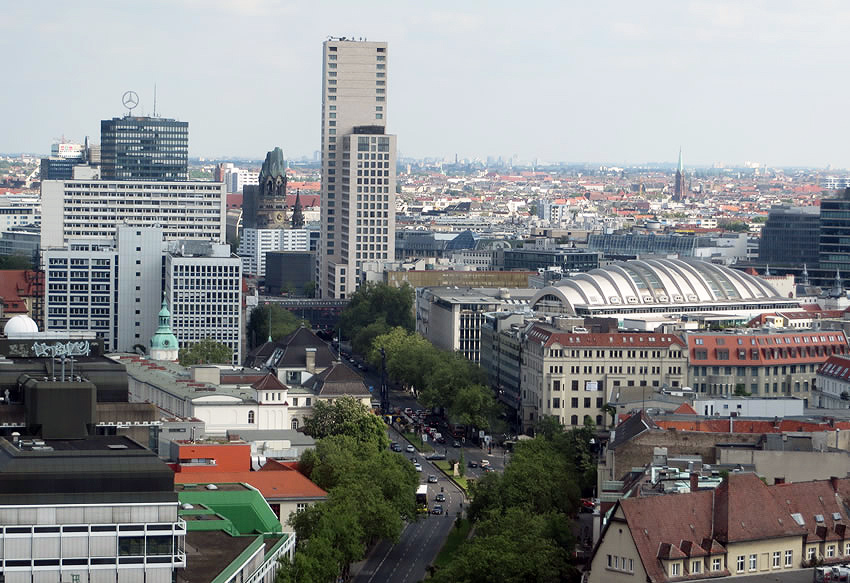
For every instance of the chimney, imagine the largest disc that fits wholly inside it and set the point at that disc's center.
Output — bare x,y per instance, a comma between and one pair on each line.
310,357
694,481
779,480
833,480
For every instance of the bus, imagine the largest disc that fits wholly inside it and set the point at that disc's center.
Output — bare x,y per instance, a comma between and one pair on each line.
457,430
422,498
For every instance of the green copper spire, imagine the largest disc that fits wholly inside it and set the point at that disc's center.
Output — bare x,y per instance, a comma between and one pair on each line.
164,338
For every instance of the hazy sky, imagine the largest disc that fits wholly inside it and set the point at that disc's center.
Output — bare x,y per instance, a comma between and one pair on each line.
615,81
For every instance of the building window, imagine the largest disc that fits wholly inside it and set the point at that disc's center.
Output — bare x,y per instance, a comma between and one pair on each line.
810,554
830,551
250,416
716,564
777,557
674,569
740,563
754,562
295,424
789,556
696,567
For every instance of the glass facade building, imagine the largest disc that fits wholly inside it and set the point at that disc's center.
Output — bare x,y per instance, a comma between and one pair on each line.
144,148
790,236
835,232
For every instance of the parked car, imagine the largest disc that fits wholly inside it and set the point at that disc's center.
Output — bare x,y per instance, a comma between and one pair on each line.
437,509
435,456
432,479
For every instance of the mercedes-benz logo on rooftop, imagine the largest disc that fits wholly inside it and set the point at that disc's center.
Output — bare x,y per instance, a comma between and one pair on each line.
130,99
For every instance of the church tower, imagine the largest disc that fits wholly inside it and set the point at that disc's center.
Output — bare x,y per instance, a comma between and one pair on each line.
271,202
679,189
164,342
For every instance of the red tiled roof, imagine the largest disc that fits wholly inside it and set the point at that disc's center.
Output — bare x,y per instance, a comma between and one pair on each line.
769,349
619,339
274,484
685,409
837,367
270,382
812,500
744,510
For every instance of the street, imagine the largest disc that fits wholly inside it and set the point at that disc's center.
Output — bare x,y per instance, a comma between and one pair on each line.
420,541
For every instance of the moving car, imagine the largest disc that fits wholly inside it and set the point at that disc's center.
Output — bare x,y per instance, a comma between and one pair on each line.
432,479
395,447
440,497
437,509
472,464
455,444
417,466
485,463
410,448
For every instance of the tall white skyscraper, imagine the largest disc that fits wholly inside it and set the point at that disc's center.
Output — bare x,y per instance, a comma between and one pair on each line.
358,165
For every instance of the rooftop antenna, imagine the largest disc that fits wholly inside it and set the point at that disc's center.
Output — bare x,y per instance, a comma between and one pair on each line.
154,100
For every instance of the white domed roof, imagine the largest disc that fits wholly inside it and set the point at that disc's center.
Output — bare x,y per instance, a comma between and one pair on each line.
20,324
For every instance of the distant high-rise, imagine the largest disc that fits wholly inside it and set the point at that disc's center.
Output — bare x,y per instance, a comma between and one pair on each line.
358,165
790,236
834,249
144,148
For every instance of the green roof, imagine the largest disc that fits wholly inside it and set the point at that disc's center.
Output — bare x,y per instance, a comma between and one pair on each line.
238,512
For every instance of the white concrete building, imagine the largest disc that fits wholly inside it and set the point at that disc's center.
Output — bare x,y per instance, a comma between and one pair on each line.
358,165
17,210
112,288
92,209
255,243
749,407
203,287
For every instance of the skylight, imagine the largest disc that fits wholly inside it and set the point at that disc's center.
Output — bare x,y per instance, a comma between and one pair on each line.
818,517
798,518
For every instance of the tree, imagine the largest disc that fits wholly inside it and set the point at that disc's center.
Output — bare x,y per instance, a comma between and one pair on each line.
347,416
612,411
15,262
374,302
207,351
283,323
310,289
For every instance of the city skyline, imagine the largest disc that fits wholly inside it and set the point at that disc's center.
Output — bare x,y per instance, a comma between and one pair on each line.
621,83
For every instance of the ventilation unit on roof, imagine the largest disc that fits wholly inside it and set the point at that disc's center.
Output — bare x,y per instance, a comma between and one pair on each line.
798,518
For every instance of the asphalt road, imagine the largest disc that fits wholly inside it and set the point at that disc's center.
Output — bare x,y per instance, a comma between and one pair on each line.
420,541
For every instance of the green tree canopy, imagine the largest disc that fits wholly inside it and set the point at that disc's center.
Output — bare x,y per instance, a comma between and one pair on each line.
207,351
347,416
283,322
373,303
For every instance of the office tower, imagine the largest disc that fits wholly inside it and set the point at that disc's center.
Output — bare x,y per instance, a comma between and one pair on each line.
255,243
790,236
835,232
94,208
203,288
679,187
144,148
358,165
111,288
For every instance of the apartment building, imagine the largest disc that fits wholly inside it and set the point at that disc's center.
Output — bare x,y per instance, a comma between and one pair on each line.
767,363
742,528
572,375
92,209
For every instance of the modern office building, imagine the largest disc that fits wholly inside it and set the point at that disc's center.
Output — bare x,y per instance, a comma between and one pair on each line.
358,164
203,287
289,271
726,248
92,209
835,232
568,260
111,287
25,240
452,318
18,210
791,236
76,506
254,244
144,148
